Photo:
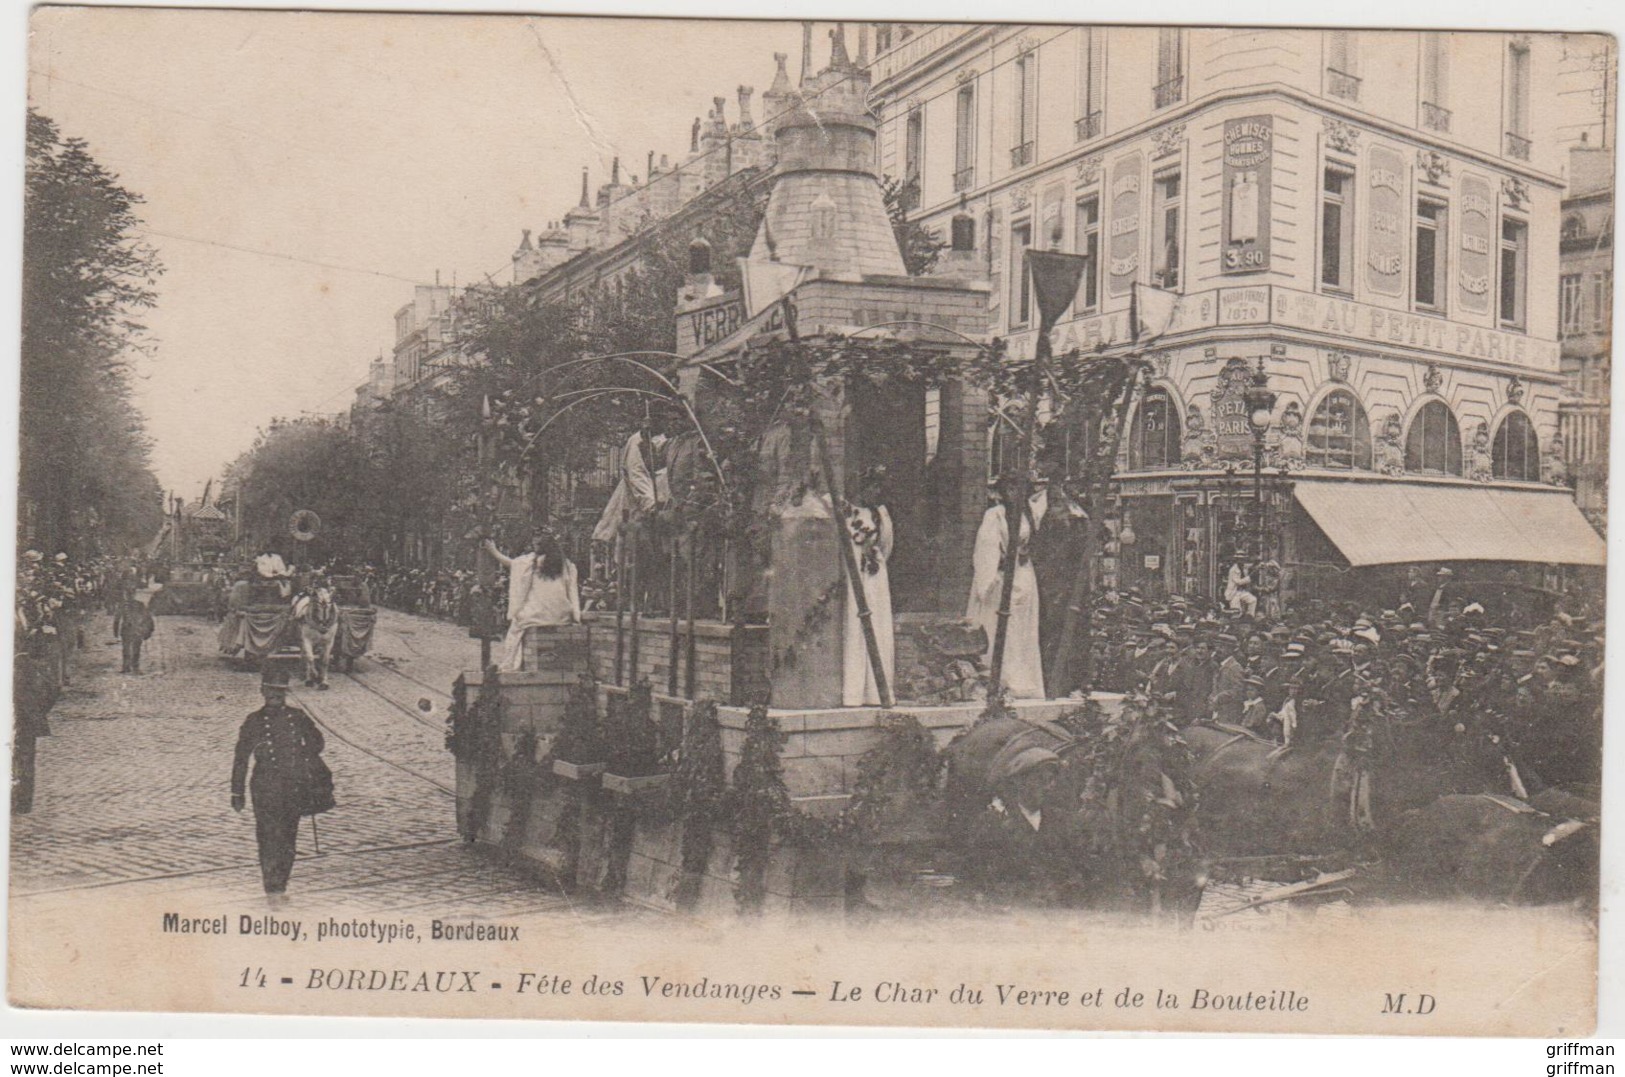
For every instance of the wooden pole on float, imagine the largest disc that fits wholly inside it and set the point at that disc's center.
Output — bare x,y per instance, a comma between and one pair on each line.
622,540
688,608
1054,279
671,605
843,541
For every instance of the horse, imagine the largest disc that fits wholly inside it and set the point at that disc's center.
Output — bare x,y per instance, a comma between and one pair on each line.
317,616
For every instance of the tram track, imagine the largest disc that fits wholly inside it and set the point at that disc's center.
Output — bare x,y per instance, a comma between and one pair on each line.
325,722
410,712
220,869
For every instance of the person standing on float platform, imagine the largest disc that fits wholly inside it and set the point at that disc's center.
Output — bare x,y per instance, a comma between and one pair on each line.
869,527
289,781
1023,673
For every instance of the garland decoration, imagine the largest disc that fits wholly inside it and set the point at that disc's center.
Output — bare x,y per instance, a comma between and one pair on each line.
697,789
473,736
518,784
580,739
633,742
759,800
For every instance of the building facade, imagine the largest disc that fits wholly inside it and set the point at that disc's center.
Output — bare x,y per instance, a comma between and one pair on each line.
1366,221
1585,323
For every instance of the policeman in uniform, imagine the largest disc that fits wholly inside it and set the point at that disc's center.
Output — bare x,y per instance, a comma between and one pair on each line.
285,746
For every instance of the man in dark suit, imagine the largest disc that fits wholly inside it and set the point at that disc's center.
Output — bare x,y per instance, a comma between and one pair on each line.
135,627
286,747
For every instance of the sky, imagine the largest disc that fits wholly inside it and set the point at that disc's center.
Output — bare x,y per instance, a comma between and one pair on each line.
302,170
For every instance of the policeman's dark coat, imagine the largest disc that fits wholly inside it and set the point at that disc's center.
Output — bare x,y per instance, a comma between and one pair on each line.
276,743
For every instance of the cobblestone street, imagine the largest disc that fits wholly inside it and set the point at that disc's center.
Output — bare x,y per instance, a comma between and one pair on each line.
134,783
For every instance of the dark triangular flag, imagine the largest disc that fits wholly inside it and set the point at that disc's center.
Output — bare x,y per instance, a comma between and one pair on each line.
1055,283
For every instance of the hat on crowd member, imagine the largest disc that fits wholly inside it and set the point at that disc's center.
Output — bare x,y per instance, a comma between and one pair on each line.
1472,607
1369,634
1444,572
1568,660
1011,765
33,556
274,674
60,557
1342,646
1163,630
1293,650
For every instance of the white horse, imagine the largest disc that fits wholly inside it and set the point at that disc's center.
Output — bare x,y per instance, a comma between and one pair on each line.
318,620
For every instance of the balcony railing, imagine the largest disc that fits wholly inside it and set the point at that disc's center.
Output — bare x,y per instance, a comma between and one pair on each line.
1342,84
1517,146
1021,156
965,178
1171,92
1435,117
1088,127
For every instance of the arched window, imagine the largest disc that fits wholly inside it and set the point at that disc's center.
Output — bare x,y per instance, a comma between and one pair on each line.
1339,434
1154,437
1434,441
1516,452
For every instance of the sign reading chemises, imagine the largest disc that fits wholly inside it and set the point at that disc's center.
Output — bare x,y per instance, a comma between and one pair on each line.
1123,244
1385,235
1248,151
1477,241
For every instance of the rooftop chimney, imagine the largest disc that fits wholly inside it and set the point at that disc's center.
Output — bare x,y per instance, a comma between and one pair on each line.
584,203
806,52
745,122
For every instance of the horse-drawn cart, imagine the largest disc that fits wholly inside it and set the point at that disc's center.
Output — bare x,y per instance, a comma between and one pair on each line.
258,621
192,589
357,617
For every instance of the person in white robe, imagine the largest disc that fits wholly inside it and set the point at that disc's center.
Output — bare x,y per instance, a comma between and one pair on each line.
1023,673
641,488
542,591
869,528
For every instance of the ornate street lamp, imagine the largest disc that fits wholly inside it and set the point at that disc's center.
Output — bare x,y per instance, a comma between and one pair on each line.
1260,409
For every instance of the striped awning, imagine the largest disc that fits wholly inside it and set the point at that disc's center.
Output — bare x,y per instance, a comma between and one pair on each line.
1388,523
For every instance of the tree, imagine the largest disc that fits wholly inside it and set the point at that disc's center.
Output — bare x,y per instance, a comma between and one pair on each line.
921,246
86,276
308,464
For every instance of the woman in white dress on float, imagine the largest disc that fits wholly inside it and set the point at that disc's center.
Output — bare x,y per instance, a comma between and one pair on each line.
541,591
869,529
1023,673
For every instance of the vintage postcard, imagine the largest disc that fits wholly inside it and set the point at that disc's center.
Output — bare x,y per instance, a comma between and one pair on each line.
1079,527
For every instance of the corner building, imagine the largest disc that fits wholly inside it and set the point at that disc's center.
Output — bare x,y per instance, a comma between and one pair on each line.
1370,218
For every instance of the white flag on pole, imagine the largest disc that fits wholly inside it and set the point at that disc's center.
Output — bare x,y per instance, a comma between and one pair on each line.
1156,311
765,283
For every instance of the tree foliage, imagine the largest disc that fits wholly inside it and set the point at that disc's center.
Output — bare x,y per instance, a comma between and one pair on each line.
86,278
921,246
307,464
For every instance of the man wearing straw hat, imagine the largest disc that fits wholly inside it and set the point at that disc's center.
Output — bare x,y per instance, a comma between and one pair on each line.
290,780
